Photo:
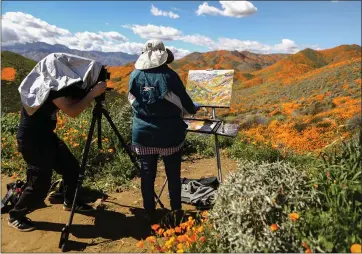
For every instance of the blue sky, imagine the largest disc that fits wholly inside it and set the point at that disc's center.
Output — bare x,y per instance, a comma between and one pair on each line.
259,26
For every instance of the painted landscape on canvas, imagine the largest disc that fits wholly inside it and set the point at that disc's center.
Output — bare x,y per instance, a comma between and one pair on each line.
210,87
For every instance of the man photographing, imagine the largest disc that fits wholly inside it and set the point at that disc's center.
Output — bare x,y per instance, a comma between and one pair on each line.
41,148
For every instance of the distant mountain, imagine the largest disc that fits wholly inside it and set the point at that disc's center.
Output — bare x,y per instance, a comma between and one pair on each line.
303,62
303,102
242,62
38,50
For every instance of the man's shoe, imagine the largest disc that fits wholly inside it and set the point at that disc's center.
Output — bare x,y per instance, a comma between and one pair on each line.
24,225
79,207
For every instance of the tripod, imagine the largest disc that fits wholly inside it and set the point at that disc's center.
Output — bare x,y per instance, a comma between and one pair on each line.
98,111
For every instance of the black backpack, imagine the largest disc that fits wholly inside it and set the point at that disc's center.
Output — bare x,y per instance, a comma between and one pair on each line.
15,190
56,192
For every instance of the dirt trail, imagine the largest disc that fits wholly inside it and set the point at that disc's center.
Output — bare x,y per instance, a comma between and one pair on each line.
116,229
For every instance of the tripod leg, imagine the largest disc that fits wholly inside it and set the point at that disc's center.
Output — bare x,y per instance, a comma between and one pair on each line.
162,188
120,138
99,127
66,230
127,149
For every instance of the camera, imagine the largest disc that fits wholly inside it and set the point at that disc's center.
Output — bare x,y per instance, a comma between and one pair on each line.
79,93
103,74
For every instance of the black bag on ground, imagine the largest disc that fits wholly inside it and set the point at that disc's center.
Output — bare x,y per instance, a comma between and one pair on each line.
56,192
14,191
199,192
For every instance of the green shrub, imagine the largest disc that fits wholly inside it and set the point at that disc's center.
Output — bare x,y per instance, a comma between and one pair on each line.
112,173
243,150
300,126
355,123
323,125
251,120
204,144
9,123
335,223
255,197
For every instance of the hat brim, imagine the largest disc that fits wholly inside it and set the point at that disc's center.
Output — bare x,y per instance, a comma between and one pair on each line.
151,59
170,56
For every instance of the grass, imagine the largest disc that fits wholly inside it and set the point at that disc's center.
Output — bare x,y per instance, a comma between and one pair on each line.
9,89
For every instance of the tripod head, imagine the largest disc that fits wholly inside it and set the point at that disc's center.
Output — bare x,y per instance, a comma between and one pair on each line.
101,98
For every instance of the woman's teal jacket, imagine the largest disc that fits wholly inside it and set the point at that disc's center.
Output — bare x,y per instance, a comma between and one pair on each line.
159,100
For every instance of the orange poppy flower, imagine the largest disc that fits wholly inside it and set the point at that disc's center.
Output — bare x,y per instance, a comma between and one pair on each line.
294,216
308,250
192,238
274,227
151,239
305,245
140,244
356,248
205,214
160,231
155,227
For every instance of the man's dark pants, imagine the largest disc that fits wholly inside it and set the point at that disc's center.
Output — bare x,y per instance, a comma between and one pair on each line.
148,176
42,156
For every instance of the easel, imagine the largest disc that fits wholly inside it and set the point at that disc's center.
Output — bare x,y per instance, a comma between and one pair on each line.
217,146
212,132
218,129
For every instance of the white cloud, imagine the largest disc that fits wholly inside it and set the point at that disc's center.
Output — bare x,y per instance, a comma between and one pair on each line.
237,9
157,12
155,32
198,40
18,27
114,36
128,47
177,52
206,9
21,27
287,46
27,21
239,45
169,33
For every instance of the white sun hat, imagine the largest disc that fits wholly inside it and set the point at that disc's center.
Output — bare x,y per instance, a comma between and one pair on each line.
154,54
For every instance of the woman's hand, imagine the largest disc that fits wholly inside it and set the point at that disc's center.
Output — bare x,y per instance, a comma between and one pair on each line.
197,106
98,89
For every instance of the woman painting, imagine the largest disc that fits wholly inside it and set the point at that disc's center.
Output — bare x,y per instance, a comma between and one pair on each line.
159,100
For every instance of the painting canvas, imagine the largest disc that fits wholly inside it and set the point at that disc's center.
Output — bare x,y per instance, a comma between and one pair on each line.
201,125
210,87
